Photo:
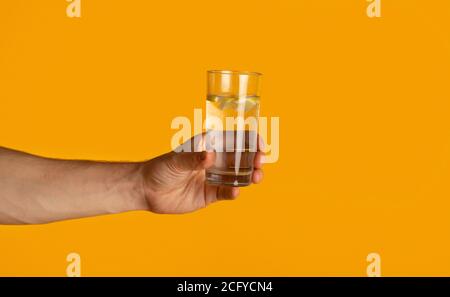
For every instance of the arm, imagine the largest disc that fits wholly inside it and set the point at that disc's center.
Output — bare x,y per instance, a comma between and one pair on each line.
35,190
40,190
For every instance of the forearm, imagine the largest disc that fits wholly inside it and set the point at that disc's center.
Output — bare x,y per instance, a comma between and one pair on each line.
39,190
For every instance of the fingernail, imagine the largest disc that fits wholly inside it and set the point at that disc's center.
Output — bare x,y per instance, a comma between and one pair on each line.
235,192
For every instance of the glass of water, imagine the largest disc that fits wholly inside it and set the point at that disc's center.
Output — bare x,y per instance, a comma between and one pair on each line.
232,110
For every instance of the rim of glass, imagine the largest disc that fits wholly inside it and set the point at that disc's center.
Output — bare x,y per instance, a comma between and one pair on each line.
242,72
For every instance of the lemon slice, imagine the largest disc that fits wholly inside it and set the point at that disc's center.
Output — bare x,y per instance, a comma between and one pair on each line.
227,103
250,103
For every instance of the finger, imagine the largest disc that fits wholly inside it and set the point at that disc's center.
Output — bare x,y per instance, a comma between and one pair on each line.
215,193
261,144
210,194
193,161
259,160
257,176
227,193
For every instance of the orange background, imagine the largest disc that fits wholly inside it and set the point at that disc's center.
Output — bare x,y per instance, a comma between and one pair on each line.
364,112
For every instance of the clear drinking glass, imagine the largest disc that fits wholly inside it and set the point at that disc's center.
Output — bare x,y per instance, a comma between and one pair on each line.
232,110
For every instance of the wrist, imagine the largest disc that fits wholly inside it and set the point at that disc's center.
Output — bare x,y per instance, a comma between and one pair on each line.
124,187
136,198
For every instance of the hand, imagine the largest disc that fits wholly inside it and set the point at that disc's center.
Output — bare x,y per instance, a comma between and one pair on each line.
174,183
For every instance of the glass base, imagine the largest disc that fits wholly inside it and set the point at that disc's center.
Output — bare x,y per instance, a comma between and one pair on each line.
228,180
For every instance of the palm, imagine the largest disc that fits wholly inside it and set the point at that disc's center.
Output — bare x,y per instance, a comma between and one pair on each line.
169,189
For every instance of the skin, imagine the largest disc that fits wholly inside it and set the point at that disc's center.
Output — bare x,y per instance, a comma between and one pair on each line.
37,190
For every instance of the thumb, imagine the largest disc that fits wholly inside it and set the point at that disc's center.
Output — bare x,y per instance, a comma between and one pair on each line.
185,161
